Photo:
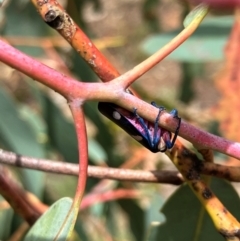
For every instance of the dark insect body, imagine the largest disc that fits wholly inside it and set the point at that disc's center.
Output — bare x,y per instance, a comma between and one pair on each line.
149,134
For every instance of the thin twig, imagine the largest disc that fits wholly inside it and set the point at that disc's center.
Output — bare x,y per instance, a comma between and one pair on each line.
15,196
80,126
171,177
56,16
128,78
10,158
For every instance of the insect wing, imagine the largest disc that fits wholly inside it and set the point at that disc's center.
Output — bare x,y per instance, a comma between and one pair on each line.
126,120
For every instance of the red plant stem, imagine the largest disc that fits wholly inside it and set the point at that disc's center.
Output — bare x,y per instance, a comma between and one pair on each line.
223,5
68,87
200,138
71,89
34,69
78,116
92,199
77,38
79,121
129,77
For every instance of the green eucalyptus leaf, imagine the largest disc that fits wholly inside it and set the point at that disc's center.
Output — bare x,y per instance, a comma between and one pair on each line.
6,216
96,152
136,217
19,23
48,225
19,137
186,218
61,132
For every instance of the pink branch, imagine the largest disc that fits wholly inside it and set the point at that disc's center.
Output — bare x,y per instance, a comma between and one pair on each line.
79,121
200,138
111,195
110,91
34,69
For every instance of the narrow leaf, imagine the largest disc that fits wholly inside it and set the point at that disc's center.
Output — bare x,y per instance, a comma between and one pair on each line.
47,226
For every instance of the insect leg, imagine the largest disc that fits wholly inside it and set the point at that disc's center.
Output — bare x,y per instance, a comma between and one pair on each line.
144,126
156,138
174,113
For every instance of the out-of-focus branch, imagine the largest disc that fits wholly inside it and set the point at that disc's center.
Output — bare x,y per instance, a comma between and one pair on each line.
10,158
170,177
16,197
